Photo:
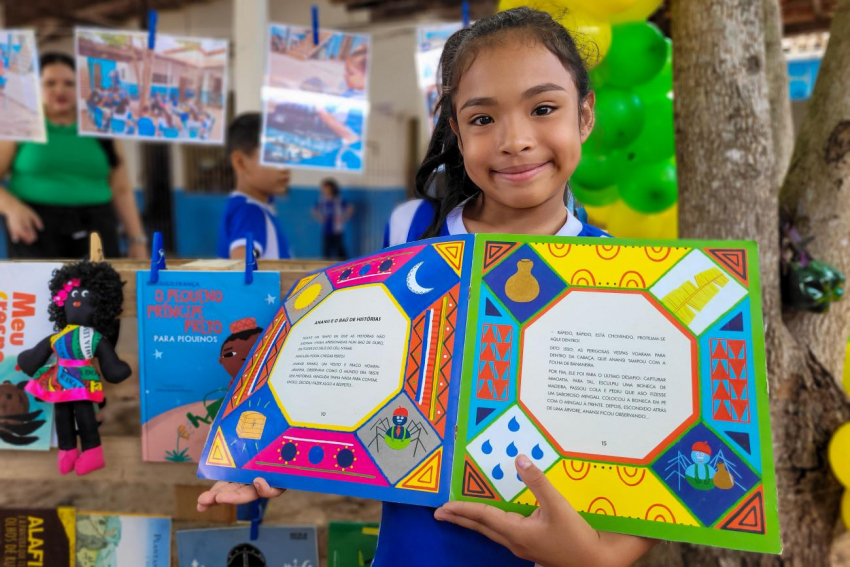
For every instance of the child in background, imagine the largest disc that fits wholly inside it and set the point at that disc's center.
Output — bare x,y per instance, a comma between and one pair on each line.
515,108
250,208
332,212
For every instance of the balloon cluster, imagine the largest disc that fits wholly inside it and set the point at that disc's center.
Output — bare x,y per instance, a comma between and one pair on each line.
626,178
839,450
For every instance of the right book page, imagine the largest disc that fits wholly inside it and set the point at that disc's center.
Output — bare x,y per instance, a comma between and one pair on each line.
632,373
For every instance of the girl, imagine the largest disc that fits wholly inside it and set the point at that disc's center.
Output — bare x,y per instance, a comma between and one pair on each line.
514,110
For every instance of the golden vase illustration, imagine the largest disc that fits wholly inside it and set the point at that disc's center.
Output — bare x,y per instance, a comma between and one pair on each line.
722,478
522,287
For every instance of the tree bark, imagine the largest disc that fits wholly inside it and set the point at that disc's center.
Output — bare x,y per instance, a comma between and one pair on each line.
729,161
778,91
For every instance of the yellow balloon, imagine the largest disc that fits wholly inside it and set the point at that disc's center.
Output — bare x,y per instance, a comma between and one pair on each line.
637,12
602,8
624,222
598,216
839,454
845,509
591,34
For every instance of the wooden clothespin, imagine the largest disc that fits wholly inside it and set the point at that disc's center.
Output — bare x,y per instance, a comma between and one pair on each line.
95,248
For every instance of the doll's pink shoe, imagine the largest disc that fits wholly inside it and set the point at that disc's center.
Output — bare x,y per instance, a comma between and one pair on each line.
90,461
66,460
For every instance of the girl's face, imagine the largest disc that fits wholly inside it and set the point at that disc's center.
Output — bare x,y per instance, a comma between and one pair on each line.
520,125
58,88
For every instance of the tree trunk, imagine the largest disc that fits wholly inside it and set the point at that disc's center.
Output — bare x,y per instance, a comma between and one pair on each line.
728,188
778,91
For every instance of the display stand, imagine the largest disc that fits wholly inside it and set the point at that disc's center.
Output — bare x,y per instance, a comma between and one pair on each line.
129,485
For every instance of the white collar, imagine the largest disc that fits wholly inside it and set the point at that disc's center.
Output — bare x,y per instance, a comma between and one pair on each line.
454,222
267,206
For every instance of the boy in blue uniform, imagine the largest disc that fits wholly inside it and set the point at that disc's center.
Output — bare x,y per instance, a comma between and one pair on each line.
250,208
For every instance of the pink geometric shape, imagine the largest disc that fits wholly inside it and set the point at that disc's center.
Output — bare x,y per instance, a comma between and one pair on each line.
309,445
371,268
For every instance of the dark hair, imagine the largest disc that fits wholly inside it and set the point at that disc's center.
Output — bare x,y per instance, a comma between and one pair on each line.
57,58
332,185
443,158
242,335
243,134
103,282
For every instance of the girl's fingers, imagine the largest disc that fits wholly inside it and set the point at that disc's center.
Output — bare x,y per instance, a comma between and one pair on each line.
444,515
264,490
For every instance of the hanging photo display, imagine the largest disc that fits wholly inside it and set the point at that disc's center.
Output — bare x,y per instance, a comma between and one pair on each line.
175,90
21,116
429,48
315,102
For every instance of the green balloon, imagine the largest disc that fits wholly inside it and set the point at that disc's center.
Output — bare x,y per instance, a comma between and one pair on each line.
595,197
599,75
656,142
650,188
638,52
619,118
662,82
599,170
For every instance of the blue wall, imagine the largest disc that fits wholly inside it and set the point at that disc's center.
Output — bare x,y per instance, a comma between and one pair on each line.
197,216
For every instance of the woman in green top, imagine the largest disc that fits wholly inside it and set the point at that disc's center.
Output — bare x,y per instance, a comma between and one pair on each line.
61,191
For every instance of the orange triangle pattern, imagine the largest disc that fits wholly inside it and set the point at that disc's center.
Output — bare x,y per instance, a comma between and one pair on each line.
748,517
474,484
426,477
219,454
452,252
734,260
495,251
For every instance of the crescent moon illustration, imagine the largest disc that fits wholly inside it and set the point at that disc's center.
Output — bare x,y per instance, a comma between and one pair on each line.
412,284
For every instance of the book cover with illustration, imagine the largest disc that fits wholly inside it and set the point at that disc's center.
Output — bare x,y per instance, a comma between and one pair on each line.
284,546
104,539
352,544
25,421
632,372
37,536
195,331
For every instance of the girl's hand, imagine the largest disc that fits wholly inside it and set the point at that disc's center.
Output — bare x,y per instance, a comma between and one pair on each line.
23,224
235,493
555,535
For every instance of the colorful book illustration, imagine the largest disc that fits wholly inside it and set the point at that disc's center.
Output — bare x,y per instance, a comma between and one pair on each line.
351,544
25,421
36,536
111,540
631,372
195,331
286,546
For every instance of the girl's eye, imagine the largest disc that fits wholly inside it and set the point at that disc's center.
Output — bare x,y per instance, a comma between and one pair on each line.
85,293
543,110
481,121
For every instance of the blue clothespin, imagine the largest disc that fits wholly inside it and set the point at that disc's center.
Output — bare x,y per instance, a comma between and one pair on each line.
464,8
152,17
250,258
315,11
157,257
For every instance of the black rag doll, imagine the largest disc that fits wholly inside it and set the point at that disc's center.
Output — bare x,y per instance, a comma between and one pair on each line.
86,303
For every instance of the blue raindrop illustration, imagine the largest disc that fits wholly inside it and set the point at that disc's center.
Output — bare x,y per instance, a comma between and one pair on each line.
513,424
512,450
497,472
537,452
486,448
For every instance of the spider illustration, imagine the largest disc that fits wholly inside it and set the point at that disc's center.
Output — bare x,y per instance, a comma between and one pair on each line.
398,435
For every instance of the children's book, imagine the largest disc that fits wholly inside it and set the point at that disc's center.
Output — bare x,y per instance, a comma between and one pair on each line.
37,536
351,544
286,546
110,540
632,372
195,331
25,421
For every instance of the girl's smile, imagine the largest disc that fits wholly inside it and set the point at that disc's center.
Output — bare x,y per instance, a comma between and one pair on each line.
520,173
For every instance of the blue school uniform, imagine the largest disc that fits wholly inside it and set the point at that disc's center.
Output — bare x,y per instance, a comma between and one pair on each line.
242,215
405,527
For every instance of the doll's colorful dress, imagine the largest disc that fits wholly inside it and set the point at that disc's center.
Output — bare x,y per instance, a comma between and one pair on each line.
72,377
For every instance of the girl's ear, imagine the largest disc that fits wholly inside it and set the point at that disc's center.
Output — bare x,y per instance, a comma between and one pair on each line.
453,126
587,116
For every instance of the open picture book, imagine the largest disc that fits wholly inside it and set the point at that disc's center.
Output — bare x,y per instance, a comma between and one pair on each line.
631,372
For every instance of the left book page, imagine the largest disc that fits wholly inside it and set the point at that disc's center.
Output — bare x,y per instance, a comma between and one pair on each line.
352,388
195,331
